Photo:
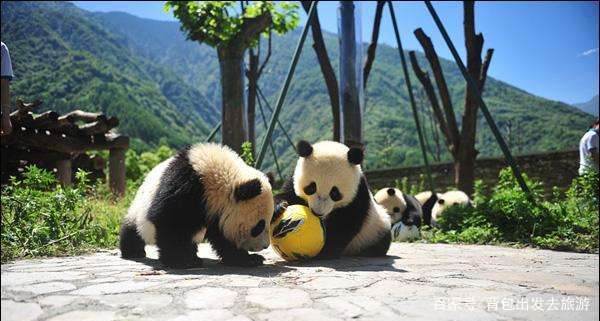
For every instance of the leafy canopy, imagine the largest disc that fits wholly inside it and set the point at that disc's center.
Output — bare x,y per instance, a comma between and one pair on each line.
221,23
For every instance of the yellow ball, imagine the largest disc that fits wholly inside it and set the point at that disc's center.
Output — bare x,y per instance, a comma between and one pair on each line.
298,234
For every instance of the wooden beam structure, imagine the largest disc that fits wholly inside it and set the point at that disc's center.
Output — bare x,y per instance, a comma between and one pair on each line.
53,141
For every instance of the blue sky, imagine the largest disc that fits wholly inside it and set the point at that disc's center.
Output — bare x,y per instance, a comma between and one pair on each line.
547,48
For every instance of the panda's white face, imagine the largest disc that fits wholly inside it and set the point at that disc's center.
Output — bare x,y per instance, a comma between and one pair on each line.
392,200
238,194
446,200
327,175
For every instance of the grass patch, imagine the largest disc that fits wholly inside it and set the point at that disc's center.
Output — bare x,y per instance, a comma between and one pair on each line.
40,218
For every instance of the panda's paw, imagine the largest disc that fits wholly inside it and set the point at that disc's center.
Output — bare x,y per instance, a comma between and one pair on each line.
245,261
256,259
279,209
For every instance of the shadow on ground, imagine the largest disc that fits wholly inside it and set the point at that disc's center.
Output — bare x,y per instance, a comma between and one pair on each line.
385,263
215,267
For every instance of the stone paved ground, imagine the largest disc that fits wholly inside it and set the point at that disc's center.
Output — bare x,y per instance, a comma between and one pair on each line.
416,282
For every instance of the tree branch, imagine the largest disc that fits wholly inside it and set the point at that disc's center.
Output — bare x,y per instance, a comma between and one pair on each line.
430,91
260,70
373,46
251,28
326,70
484,69
438,74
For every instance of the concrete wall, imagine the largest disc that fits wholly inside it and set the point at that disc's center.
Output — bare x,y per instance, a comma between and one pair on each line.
551,168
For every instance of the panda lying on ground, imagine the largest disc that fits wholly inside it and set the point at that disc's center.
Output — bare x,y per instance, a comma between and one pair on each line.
404,211
328,179
204,191
434,204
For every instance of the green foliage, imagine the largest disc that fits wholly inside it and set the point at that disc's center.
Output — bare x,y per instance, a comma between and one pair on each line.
507,215
411,189
41,218
218,23
247,153
138,165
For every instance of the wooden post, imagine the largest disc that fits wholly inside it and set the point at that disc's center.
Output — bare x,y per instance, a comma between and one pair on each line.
63,172
116,171
350,85
6,128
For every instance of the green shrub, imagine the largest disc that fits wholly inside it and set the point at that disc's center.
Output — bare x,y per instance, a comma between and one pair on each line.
408,188
138,165
508,215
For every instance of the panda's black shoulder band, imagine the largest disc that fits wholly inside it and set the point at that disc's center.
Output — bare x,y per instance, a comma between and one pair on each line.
304,148
247,190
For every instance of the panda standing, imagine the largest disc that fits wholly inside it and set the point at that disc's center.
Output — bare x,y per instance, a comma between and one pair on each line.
328,179
205,191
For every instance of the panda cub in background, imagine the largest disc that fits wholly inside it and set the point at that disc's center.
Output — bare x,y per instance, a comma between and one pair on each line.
446,200
427,200
328,179
405,213
205,191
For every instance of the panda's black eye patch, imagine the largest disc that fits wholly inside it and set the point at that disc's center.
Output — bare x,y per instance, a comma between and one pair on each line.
396,209
258,228
310,188
335,194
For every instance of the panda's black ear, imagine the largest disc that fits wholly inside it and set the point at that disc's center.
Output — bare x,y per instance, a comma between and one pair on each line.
247,190
391,191
271,177
355,155
304,148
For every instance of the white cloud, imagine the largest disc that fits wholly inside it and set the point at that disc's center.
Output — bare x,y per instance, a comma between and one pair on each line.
588,52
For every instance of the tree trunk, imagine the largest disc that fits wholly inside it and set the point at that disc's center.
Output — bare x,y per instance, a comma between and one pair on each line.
326,70
233,129
465,162
252,92
352,114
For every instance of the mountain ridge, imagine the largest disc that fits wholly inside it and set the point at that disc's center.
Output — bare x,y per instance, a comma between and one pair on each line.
590,106
536,123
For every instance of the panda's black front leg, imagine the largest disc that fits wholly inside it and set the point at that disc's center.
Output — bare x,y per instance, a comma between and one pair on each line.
177,251
331,250
228,252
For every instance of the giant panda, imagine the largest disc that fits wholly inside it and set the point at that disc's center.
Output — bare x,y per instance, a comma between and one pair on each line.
404,211
446,200
204,191
328,179
427,200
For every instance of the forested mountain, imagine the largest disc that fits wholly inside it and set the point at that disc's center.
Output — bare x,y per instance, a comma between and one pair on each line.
590,106
162,86
64,57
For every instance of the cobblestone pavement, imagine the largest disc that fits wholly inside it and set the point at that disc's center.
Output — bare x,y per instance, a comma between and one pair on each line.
416,282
